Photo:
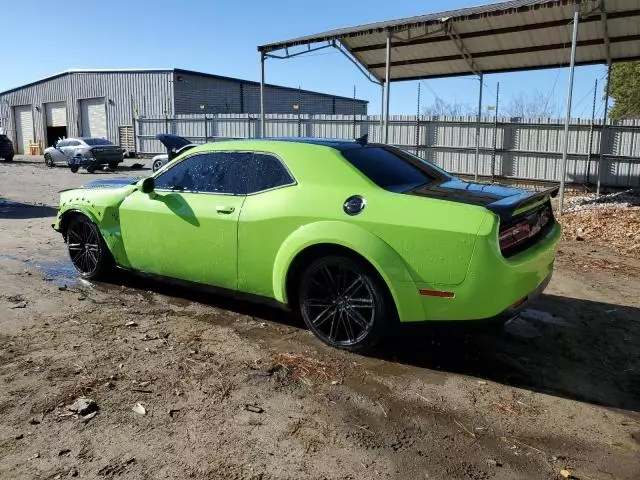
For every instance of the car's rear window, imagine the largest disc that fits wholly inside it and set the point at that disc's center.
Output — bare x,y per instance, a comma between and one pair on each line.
96,141
391,168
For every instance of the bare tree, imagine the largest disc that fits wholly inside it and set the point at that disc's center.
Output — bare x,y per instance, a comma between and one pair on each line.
440,108
535,104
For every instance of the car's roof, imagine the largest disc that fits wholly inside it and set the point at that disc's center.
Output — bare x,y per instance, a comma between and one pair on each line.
336,143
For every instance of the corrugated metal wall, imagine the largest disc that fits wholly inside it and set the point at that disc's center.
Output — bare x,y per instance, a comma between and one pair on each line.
529,150
147,93
209,95
151,94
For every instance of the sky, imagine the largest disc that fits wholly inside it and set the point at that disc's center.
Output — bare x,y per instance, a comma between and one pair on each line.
221,36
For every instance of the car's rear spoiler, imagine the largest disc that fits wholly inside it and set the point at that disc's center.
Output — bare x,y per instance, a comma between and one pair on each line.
508,207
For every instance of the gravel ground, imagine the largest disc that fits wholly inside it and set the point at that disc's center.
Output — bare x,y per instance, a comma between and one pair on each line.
236,391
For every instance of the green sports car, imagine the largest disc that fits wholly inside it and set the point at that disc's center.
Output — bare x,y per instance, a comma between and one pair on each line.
354,236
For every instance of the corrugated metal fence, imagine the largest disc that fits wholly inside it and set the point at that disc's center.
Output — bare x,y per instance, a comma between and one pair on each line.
512,148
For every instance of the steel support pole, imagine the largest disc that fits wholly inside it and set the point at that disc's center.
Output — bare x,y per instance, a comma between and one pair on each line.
381,110
475,171
604,129
591,127
387,82
262,115
567,119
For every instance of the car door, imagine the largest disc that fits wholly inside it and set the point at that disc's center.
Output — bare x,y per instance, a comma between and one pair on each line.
74,149
69,149
57,153
269,215
188,227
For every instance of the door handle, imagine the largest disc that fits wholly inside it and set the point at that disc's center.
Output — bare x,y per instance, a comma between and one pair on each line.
225,210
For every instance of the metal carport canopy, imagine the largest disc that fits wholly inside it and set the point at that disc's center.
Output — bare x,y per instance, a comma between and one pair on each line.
500,37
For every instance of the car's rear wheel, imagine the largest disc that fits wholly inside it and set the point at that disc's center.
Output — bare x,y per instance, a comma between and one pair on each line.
48,161
87,250
9,158
157,165
91,169
344,302
113,165
74,169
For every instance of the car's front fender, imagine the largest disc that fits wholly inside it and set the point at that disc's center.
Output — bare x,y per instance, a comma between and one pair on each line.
101,206
378,253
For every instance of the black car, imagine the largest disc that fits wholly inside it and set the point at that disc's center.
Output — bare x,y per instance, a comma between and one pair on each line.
6,148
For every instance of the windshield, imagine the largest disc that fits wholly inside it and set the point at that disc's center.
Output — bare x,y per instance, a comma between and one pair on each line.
96,141
392,168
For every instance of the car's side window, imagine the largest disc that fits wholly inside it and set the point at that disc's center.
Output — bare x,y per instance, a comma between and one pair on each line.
267,172
216,172
72,143
62,143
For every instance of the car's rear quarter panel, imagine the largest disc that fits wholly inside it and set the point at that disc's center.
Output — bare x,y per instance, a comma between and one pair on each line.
432,239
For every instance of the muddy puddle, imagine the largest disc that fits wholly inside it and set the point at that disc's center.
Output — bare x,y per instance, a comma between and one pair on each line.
61,272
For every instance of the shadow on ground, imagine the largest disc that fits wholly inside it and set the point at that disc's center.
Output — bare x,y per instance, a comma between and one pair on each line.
581,349
568,347
573,348
20,211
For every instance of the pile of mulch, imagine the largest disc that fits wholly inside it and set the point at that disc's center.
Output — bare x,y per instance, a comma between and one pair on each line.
610,220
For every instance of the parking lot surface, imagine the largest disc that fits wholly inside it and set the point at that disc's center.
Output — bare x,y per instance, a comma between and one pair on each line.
190,385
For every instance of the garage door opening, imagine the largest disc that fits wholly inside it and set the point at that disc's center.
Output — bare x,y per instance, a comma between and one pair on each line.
54,134
56,115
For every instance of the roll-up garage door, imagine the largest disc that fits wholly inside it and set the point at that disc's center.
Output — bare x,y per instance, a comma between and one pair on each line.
56,114
93,117
24,127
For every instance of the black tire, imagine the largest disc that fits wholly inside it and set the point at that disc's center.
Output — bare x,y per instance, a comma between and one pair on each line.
330,308
91,169
48,161
87,250
9,159
157,165
74,169
113,165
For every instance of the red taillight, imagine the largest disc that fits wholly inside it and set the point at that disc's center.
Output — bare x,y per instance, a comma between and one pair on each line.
514,235
524,229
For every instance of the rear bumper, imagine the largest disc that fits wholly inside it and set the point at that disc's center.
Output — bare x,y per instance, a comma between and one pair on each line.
523,303
494,285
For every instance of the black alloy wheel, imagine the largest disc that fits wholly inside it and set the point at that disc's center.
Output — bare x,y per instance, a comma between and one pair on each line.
87,250
48,161
344,302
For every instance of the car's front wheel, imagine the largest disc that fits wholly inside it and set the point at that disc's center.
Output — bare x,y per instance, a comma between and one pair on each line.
48,161
344,302
87,249
113,165
9,158
157,165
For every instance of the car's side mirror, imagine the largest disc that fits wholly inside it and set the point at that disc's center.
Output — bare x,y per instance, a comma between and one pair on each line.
147,185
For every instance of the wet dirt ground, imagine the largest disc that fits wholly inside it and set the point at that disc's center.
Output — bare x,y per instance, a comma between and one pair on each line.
237,391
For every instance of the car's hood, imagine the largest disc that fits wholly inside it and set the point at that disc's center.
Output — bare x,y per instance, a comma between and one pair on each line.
173,142
112,182
500,199
107,183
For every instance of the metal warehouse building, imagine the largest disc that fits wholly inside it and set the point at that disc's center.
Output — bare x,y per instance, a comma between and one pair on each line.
104,103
